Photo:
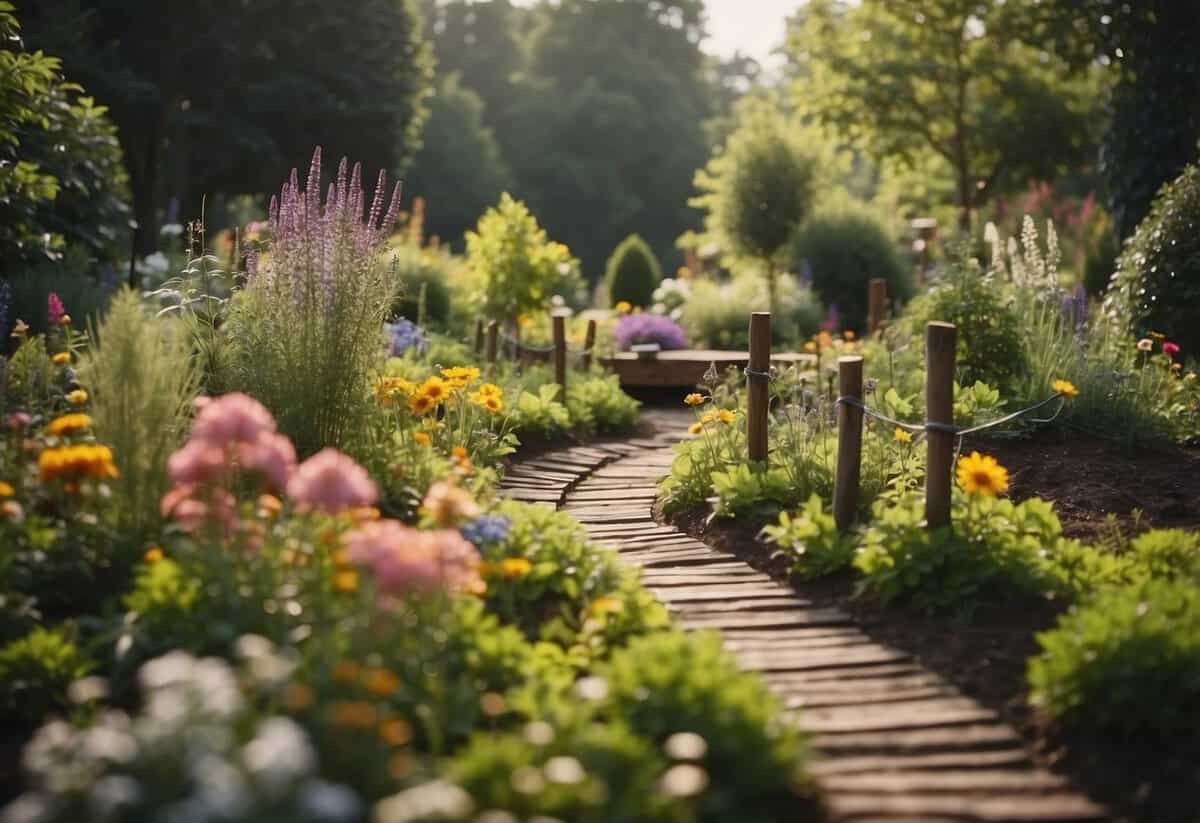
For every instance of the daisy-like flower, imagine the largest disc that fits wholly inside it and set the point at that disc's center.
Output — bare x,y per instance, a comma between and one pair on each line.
981,475
6,490
1145,344
695,429
490,390
62,358
69,424
901,436
491,403
1170,349
460,376
77,397
436,389
623,307
514,568
695,399
422,438
726,416
421,403
1066,388
848,334
810,347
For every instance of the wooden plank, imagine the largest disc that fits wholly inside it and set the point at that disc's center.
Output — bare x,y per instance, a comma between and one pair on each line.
1016,808
916,714
905,741
949,780
804,659
720,591
740,605
920,762
759,620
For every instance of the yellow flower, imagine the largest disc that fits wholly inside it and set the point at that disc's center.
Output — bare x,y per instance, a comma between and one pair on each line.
388,388
381,682
726,416
346,581
153,554
459,376
269,506
459,453
1066,388
69,424
810,347
73,462
435,388
422,438
695,429
695,399
605,605
514,568
623,307
421,404
62,358
77,397
490,390
848,334
982,475
6,490
901,436
491,403
395,732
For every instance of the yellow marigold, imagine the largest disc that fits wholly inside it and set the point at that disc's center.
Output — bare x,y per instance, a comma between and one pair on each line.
490,390
153,554
901,436
74,462
6,490
459,453
421,404
381,682
514,568
69,424
605,605
623,307
695,399
346,581
62,358
982,475
1066,388
695,429
435,388
422,438
77,397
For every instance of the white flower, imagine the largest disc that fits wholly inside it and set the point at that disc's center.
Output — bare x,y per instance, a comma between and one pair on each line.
279,755
436,800
328,802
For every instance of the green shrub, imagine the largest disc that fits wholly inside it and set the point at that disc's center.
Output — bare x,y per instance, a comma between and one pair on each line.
811,541
597,404
142,380
632,273
1165,554
35,672
1126,662
541,414
718,315
29,376
669,683
83,293
423,274
1157,283
845,247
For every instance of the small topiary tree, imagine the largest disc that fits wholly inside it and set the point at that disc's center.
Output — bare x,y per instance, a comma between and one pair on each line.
1157,282
845,247
632,273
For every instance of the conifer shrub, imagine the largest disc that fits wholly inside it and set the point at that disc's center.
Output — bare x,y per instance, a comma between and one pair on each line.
632,273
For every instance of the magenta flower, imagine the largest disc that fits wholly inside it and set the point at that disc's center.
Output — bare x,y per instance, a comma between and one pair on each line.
54,309
332,482
403,560
1171,349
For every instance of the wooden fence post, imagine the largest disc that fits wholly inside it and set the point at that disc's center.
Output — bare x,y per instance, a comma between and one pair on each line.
589,342
940,342
850,432
758,385
560,352
876,304
478,336
493,333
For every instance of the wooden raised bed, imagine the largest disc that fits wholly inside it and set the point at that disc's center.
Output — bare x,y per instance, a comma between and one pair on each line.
687,367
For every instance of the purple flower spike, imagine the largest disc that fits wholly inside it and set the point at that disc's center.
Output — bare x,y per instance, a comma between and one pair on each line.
649,328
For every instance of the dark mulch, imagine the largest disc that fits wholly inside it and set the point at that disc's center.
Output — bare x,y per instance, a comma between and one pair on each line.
985,656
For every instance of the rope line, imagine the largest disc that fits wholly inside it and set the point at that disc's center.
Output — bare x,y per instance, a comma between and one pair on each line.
949,428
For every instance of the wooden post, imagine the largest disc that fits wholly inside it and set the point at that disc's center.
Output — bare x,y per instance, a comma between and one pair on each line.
876,304
940,342
757,385
560,352
478,336
589,342
493,333
850,431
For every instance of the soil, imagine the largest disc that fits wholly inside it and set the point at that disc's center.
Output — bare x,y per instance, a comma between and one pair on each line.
1096,487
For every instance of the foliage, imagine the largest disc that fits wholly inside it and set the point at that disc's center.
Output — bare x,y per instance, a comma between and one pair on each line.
541,413
424,290
973,83
35,672
1126,662
517,269
85,292
142,379
811,541
598,405
1158,275
642,328
845,248
632,273
1165,554
717,315
757,189
306,328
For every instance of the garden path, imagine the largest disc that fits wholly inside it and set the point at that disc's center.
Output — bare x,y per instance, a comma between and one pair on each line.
896,741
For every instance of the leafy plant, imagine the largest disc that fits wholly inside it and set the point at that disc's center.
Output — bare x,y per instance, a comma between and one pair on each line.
811,540
632,273
1126,662
35,672
717,315
597,404
424,289
541,413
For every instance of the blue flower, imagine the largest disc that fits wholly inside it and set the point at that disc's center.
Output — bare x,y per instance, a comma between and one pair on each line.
490,528
403,335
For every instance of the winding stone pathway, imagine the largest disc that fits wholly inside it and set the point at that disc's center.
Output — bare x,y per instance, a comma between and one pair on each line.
896,741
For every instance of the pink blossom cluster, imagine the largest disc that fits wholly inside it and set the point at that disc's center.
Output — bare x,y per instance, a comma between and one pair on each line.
54,309
404,560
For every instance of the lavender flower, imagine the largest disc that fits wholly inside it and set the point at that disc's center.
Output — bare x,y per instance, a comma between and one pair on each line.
404,335
490,528
830,323
1075,307
649,328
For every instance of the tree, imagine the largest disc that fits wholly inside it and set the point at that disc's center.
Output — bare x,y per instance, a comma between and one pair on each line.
223,96
632,273
459,170
966,79
758,188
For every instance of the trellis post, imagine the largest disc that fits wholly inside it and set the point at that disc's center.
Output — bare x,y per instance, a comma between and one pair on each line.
876,304
589,341
850,433
940,342
493,339
757,385
560,351
478,336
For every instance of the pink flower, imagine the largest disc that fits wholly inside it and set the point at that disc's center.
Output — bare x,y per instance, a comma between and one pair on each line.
405,560
332,482
54,309
192,513
1170,349
17,420
231,418
271,455
198,462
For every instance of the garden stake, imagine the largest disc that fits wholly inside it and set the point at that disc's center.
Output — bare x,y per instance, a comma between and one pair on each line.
876,304
492,339
478,336
589,341
757,385
850,431
940,342
560,352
